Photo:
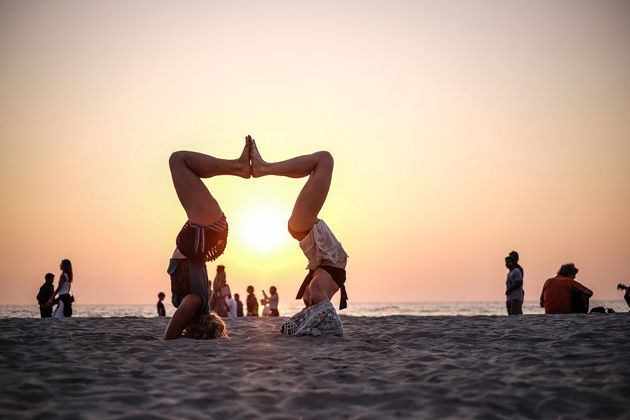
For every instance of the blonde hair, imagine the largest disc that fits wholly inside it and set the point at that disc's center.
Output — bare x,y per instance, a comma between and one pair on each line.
206,327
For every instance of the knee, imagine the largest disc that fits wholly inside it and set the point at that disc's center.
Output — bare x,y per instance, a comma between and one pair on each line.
177,159
325,159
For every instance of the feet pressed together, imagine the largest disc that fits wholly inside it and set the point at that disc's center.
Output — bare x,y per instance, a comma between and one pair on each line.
250,163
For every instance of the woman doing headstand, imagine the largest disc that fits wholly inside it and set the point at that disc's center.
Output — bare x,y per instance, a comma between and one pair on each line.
203,238
326,257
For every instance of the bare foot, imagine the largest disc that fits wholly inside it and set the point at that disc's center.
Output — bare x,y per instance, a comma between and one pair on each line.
259,166
244,168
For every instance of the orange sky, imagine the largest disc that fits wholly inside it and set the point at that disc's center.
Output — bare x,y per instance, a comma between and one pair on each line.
460,131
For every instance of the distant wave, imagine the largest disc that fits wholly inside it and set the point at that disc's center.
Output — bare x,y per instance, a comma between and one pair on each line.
287,309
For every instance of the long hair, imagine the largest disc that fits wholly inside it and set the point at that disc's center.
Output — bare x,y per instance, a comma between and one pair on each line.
66,267
206,327
219,281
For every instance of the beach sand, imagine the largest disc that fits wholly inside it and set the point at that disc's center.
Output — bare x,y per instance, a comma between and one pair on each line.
533,366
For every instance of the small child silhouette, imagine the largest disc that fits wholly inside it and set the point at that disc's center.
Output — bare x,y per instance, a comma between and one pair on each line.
160,306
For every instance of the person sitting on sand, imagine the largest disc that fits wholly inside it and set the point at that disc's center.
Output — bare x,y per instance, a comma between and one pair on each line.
160,306
326,257
251,302
203,238
559,293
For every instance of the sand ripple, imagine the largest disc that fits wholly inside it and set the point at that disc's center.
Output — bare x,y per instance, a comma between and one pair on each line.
534,366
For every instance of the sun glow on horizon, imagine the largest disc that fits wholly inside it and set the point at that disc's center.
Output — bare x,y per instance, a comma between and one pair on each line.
263,229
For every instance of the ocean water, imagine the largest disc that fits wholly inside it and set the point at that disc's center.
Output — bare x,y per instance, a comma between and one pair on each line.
288,309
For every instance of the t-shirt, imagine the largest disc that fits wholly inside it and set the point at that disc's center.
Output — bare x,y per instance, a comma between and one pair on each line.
273,301
239,308
231,304
514,277
556,294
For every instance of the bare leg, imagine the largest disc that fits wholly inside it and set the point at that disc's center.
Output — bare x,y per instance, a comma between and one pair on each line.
185,313
187,169
317,166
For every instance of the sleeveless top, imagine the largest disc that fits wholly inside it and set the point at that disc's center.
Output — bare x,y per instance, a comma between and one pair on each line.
65,287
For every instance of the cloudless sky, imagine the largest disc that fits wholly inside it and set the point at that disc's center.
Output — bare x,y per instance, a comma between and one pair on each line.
461,130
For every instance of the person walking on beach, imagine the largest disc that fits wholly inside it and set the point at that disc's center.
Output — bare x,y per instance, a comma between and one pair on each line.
272,301
45,293
326,257
563,295
203,238
161,311
514,287
239,305
64,302
252,302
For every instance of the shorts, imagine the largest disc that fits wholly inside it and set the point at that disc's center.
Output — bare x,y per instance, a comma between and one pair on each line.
337,274
203,243
188,277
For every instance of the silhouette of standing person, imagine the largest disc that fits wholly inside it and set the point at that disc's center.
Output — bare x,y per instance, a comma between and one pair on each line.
45,293
252,302
64,303
220,292
514,287
239,305
515,257
272,301
203,238
161,311
626,295
326,257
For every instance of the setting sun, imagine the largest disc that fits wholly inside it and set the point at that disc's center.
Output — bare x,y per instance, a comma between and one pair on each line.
264,229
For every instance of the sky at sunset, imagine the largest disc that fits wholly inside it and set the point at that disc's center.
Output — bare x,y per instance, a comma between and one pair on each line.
461,130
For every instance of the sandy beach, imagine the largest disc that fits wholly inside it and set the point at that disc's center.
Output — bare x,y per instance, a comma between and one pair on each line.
534,366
